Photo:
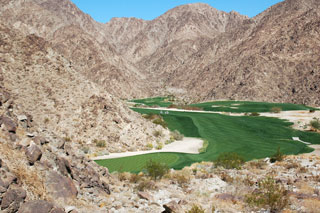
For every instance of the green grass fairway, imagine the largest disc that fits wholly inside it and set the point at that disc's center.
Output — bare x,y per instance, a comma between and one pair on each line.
246,106
251,137
156,101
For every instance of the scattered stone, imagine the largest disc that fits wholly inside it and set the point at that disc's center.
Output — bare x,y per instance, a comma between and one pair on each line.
145,195
36,206
22,117
40,140
33,153
69,208
9,124
57,210
3,189
31,135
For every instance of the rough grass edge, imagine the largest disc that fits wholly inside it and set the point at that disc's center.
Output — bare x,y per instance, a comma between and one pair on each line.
204,147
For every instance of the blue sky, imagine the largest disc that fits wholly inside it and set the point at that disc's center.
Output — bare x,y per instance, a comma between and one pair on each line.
104,10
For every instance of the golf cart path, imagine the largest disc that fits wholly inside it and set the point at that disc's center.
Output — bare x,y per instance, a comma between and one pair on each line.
187,145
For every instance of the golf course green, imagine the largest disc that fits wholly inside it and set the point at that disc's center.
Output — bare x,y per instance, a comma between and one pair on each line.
251,137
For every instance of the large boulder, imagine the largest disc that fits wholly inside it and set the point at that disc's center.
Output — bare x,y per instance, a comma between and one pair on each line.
12,198
36,206
60,187
33,153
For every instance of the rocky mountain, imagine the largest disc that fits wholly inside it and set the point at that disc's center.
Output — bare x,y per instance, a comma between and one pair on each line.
197,51
79,39
275,59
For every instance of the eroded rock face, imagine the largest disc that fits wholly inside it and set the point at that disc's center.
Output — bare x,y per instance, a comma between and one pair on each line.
60,187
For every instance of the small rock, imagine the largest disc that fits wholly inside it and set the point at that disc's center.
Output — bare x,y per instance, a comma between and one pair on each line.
31,135
145,195
69,208
182,202
33,153
40,140
22,117
3,189
57,210
173,206
9,124
36,206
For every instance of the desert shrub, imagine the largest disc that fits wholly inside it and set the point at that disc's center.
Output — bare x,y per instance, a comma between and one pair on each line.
156,170
254,114
150,116
226,177
278,156
46,120
182,177
85,149
159,146
229,160
276,109
292,165
160,121
135,178
100,143
204,147
315,123
122,176
157,133
67,139
196,209
150,146
257,164
312,110
269,195
176,135
145,184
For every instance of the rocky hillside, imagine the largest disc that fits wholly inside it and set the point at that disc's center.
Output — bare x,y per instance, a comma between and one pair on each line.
45,85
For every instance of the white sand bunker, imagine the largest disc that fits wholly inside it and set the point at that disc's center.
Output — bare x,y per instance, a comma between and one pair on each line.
187,145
